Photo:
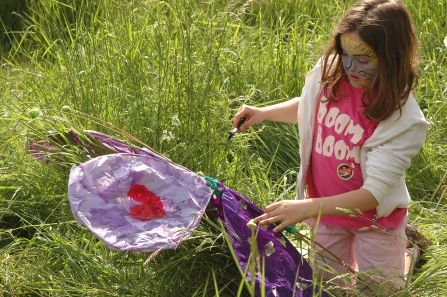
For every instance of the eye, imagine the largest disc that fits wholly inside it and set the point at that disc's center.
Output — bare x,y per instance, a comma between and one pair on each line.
362,60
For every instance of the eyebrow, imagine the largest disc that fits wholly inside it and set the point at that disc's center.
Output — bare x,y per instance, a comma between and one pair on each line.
354,45
359,55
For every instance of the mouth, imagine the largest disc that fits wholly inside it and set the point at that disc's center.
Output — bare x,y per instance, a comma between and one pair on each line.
353,77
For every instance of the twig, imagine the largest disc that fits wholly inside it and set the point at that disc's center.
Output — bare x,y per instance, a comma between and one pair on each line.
309,241
437,188
442,195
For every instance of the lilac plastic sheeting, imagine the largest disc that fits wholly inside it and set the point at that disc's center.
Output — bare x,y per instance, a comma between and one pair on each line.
98,197
286,273
98,190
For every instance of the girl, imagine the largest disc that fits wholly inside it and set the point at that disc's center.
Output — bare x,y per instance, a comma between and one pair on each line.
359,127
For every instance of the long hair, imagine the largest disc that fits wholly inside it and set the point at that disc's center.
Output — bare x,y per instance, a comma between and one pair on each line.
385,26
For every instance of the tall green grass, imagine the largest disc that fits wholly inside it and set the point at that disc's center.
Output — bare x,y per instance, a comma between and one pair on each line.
172,74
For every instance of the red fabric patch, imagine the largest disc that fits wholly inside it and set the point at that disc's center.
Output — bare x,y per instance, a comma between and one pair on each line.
151,206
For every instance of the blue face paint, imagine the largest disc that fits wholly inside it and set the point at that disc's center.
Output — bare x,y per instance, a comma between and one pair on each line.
359,60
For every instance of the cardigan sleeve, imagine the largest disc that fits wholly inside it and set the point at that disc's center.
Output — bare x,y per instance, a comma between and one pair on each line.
386,163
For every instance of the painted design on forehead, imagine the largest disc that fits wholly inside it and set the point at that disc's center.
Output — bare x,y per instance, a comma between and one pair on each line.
360,62
354,48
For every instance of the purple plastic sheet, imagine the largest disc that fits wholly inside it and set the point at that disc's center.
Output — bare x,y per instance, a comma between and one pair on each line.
98,197
286,273
98,189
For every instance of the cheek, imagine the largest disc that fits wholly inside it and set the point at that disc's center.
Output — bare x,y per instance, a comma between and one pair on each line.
347,61
366,73
370,68
364,68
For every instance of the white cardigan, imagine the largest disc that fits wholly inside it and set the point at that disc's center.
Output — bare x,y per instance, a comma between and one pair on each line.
384,157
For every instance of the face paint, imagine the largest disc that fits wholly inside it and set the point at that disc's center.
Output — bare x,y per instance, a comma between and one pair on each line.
359,60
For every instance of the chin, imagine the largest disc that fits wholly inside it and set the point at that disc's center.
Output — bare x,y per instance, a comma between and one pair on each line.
356,84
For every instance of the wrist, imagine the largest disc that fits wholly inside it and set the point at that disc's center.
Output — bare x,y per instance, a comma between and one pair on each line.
314,206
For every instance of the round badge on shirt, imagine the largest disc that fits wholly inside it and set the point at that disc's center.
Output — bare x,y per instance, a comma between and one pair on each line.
345,171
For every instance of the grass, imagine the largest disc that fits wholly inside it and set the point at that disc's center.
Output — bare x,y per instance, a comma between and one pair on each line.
172,74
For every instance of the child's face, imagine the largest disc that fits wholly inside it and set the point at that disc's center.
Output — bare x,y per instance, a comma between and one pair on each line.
359,60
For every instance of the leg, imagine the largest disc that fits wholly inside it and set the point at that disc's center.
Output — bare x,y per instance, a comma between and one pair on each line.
338,241
412,254
383,252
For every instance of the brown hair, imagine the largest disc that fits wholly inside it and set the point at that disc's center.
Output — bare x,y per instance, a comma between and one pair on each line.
385,25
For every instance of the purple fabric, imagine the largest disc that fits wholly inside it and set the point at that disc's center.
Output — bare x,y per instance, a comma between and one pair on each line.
98,188
286,272
119,146
98,197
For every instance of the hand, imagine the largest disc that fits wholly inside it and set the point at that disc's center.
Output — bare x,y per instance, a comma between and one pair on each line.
288,212
253,115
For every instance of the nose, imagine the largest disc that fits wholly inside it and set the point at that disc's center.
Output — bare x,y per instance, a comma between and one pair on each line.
350,64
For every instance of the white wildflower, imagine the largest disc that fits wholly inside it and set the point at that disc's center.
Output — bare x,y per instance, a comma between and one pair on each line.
175,121
167,135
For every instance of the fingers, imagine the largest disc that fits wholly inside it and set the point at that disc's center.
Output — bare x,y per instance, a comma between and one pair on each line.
244,126
284,213
266,220
270,217
252,115
242,113
279,227
272,207
262,219
238,116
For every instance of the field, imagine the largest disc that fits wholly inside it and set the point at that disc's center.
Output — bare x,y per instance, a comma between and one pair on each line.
170,75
